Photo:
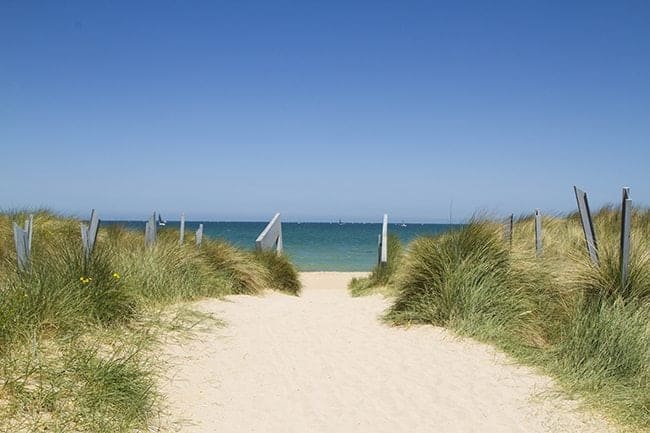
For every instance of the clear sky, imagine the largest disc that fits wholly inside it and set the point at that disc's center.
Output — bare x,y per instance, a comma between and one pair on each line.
232,110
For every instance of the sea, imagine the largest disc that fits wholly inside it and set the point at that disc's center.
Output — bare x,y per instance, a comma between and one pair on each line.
313,246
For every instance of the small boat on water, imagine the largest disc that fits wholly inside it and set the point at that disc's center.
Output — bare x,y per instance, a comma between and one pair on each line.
161,222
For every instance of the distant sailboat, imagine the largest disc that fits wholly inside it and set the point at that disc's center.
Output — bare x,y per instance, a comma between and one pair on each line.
402,225
340,223
161,222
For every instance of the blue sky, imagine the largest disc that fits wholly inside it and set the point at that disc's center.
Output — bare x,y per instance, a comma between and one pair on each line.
322,110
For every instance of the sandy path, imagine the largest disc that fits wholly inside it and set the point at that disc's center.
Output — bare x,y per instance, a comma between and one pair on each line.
324,363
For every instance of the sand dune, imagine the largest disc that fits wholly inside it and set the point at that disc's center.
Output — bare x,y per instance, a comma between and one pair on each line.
325,363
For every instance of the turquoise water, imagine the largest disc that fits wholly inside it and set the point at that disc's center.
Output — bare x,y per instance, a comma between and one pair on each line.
314,246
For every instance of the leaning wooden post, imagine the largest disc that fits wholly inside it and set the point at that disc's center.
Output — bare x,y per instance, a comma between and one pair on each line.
23,243
383,254
89,235
279,246
587,224
508,227
626,225
20,243
379,248
538,232
182,236
199,235
271,236
29,226
150,231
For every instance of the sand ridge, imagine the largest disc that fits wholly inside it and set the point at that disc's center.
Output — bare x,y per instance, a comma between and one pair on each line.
324,362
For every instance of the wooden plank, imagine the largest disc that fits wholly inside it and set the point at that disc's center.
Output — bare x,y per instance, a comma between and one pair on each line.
271,236
384,240
150,231
182,236
279,246
538,232
199,235
379,248
89,235
147,234
84,239
30,232
92,231
587,224
20,242
626,227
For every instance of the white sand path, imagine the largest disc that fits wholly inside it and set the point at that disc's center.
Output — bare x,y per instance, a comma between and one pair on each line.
324,362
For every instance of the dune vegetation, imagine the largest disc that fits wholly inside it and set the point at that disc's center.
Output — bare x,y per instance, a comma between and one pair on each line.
558,312
76,335
381,279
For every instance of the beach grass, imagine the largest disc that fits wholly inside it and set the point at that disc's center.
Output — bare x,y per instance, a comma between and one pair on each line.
381,279
282,275
76,335
557,311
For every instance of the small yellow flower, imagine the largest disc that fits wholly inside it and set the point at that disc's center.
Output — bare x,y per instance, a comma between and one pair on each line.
81,279
116,275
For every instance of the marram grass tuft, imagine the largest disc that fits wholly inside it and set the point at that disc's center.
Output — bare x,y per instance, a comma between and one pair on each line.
557,311
73,350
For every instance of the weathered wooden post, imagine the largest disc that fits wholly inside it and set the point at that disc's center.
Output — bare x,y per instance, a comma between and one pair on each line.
23,243
182,236
271,236
587,224
383,242
508,227
29,226
199,235
538,232
22,252
150,231
89,235
626,226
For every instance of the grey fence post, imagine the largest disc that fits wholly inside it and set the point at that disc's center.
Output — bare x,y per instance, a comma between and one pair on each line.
182,236
383,243
23,243
538,232
150,231
626,225
508,227
89,235
29,226
199,235
587,224
271,236
379,248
